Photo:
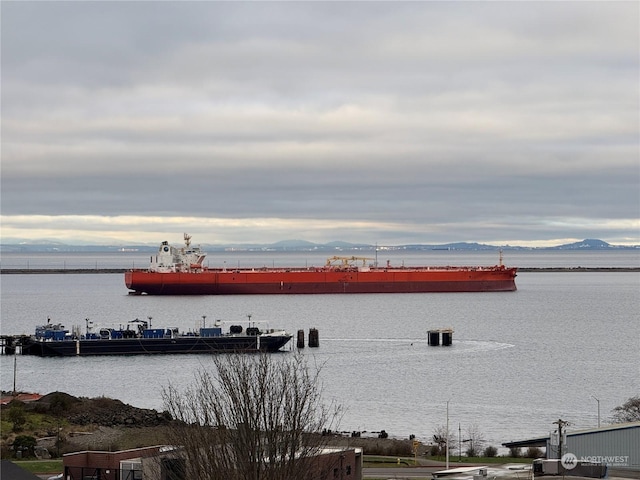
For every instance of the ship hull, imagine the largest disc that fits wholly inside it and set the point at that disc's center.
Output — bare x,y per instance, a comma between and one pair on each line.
320,281
150,346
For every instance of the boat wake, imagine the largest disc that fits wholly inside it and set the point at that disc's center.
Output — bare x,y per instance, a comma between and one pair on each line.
413,346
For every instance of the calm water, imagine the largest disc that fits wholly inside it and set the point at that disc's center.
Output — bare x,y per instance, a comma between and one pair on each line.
520,360
551,258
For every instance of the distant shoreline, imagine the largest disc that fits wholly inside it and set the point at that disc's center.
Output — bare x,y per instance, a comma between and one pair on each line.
44,271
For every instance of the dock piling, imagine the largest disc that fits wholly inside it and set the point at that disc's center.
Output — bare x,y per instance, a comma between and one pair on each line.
314,339
433,337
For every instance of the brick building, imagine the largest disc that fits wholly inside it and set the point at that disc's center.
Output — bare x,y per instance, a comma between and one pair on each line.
166,463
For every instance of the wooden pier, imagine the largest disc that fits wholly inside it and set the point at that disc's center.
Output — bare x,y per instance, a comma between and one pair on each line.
10,344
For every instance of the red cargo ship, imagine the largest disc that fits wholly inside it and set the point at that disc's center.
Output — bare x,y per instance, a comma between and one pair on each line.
179,271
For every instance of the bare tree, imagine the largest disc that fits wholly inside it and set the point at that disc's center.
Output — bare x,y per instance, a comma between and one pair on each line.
629,411
257,417
474,439
440,437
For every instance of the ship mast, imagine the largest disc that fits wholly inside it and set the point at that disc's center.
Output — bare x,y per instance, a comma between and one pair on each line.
376,263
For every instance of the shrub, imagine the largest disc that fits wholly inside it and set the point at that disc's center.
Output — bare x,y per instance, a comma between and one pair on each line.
387,447
434,451
515,452
17,417
533,452
491,451
59,403
24,444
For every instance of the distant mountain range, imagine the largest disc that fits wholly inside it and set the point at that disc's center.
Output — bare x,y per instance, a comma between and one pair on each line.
303,245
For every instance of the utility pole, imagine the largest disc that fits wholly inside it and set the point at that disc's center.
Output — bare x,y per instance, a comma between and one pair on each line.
15,372
561,423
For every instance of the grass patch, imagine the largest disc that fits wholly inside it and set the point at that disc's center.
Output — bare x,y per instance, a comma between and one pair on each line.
379,461
495,460
390,461
44,423
5,427
40,466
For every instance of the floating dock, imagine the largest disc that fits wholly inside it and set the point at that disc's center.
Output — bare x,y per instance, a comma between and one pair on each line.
10,343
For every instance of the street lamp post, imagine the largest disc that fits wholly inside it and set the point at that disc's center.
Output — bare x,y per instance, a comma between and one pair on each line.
447,445
597,400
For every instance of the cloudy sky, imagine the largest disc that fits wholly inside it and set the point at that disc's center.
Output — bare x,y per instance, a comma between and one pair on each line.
378,122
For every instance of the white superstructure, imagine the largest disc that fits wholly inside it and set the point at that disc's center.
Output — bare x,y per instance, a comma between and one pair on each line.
171,259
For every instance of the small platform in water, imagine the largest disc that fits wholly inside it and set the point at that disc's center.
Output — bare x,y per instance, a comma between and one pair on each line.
434,335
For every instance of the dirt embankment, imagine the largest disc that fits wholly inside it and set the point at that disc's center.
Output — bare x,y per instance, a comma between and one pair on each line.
62,423
97,411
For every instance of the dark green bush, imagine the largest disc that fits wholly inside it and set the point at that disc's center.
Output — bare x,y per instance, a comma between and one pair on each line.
491,451
17,417
533,452
24,444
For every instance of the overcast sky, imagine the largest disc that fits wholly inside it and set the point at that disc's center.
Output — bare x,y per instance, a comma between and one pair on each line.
378,122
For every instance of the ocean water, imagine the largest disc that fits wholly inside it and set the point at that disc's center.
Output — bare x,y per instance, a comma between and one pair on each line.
519,360
245,259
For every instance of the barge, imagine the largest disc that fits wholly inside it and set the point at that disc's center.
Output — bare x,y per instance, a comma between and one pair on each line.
138,338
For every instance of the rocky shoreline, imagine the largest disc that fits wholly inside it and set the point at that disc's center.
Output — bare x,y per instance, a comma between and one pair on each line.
69,424
64,423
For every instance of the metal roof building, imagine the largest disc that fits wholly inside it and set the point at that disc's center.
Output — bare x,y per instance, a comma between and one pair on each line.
616,445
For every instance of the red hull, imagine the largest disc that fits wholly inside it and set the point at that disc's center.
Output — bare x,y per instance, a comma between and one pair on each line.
323,280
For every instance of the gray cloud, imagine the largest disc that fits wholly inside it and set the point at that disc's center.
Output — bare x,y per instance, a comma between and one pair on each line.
461,120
